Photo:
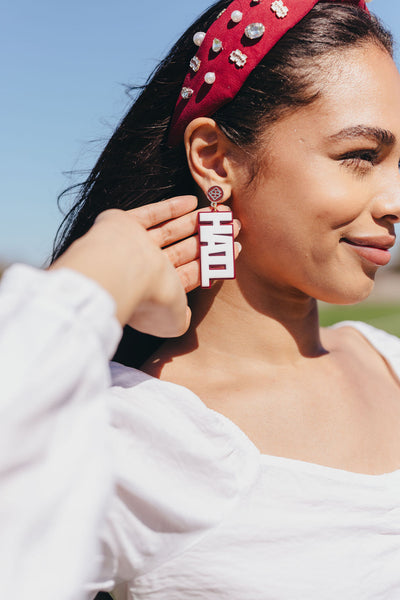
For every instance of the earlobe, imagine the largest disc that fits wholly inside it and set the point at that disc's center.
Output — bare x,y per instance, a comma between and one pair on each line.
206,151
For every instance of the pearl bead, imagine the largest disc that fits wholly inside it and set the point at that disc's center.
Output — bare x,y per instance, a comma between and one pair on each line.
198,38
209,78
236,16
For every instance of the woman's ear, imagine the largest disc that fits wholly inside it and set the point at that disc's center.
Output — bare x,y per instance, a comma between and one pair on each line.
207,150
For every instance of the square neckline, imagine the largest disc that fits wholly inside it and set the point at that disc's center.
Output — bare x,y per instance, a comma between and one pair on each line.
236,433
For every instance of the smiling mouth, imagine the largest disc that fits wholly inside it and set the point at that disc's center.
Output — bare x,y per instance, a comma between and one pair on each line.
374,251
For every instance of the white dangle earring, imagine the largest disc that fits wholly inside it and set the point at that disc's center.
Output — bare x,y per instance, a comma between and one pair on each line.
217,258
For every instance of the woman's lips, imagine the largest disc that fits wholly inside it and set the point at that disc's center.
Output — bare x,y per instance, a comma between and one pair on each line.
375,251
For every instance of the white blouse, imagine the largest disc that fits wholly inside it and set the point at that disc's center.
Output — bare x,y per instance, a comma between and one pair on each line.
200,513
57,334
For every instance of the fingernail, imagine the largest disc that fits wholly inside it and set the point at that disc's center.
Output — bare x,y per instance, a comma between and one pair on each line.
238,246
238,223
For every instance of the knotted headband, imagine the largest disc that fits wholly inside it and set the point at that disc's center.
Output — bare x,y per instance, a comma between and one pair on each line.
228,52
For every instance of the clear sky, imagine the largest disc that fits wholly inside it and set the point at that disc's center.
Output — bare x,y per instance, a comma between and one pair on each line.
64,66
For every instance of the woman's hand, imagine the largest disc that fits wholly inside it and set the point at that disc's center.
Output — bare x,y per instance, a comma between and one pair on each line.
146,258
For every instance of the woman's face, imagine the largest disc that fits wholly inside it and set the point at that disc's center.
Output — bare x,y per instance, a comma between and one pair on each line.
320,216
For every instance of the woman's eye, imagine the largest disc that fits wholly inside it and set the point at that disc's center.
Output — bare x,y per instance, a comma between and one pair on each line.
360,158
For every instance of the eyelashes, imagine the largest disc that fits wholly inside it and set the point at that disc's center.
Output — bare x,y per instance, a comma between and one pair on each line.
363,160
360,159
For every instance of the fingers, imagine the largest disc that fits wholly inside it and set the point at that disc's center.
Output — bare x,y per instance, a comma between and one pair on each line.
175,230
159,212
185,251
165,312
190,275
178,229
190,272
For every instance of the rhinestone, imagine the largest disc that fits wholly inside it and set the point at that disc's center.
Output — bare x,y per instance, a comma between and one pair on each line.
279,9
236,16
238,58
209,78
198,38
216,45
195,64
254,31
186,93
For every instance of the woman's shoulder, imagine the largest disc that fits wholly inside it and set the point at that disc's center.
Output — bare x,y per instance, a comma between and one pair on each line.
178,469
374,335
140,397
170,426
386,344
174,417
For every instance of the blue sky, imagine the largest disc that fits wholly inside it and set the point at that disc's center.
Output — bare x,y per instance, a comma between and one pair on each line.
64,66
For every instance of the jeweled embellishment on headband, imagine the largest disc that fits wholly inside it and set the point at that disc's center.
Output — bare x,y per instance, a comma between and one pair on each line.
279,9
254,31
209,78
198,38
216,45
186,93
236,16
195,64
238,58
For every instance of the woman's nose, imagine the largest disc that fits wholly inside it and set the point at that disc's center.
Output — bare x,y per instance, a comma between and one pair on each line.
386,205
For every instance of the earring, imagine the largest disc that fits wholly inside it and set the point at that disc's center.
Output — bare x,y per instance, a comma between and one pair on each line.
217,258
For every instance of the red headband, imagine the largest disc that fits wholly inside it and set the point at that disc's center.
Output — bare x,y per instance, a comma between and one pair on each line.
232,47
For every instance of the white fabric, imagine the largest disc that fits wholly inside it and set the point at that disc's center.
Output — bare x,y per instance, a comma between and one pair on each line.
201,514
57,333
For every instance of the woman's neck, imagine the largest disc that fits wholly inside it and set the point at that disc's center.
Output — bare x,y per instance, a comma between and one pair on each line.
270,324
229,329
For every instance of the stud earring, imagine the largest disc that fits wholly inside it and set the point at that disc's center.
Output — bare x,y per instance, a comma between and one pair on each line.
217,258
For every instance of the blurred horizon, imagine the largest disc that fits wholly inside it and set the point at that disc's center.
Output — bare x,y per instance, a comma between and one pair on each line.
65,71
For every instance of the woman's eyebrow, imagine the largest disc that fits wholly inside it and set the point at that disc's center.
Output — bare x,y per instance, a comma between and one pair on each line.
376,134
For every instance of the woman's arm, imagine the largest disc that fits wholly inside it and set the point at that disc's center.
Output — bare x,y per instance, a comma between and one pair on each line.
57,333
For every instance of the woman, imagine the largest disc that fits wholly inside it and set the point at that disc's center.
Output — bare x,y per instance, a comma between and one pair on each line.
258,456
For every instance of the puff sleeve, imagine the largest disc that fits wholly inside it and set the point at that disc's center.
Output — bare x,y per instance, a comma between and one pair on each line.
177,475
57,333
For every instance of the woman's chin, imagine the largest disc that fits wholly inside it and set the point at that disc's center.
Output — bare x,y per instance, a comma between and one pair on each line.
350,293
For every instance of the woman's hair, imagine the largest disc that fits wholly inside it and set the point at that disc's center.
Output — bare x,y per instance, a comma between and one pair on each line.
138,167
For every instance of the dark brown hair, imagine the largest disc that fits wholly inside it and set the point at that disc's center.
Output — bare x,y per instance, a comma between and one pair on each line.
138,167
